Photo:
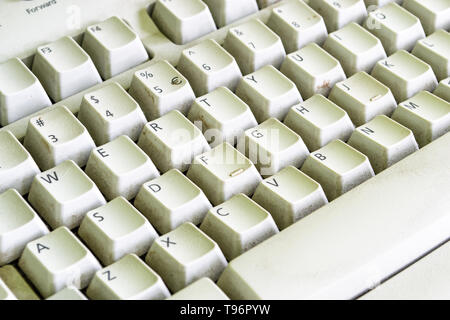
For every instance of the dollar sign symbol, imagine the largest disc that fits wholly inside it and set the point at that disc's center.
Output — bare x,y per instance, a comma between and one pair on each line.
95,99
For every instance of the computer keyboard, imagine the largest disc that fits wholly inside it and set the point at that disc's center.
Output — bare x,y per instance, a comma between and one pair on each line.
224,149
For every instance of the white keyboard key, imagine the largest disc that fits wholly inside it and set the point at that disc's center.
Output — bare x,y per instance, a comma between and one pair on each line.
228,11
427,115
443,89
355,47
127,279
297,25
338,13
202,289
271,146
313,70
363,97
172,141
113,46
119,168
185,255
207,66
384,142
58,260
57,136
238,224
425,279
171,200
223,172
433,14
222,116
254,45
19,224
183,21
63,195
64,68
5,292
110,112
21,93
405,75
268,93
115,230
17,167
338,168
161,88
319,121
435,50
289,196
356,241
68,293
395,27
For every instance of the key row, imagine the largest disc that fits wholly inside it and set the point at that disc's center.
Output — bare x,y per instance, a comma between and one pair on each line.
210,67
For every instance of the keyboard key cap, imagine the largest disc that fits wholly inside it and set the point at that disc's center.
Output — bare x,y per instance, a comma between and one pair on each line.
57,136
363,97
426,115
268,93
297,25
339,13
355,48
21,93
356,241
443,89
58,260
64,69
5,293
237,225
19,224
119,168
433,14
435,50
202,289
395,27
183,21
405,74
171,200
223,172
172,141
289,196
271,146
338,168
17,168
114,47
69,293
228,11
254,45
63,195
127,279
319,121
17,284
313,70
222,116
110,112
207,66
159,89
115,230
185,255
384,142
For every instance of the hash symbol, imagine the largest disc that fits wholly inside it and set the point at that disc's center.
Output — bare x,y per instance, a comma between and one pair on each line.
168,242
40,122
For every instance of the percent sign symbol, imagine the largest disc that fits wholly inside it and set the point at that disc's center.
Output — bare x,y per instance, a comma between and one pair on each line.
146,75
